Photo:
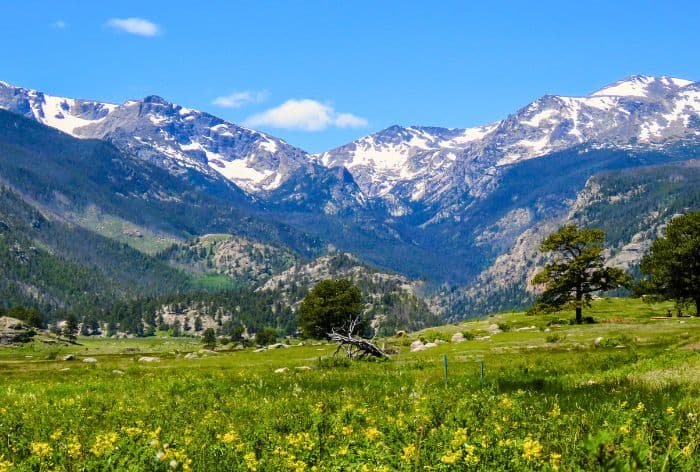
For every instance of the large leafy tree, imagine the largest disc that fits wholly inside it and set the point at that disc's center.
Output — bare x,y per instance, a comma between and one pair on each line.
672,265
332,305
577,269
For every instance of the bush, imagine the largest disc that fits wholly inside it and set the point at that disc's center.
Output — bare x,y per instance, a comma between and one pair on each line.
554,337
468,335
265,336
504,326
430,336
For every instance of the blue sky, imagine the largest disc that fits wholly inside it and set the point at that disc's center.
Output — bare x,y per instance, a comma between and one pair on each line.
320,74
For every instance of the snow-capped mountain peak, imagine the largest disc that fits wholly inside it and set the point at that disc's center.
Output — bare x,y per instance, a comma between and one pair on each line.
642,86
172,136
405,165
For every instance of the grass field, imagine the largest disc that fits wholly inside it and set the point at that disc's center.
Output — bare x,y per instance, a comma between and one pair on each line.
550,400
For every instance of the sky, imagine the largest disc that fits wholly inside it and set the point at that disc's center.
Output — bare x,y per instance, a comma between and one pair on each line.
322,73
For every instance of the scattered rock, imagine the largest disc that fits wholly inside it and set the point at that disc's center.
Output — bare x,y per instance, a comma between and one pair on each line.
547,330
277,346
482,338
65,369
69,357
598,340
262,349
118,372
207,351
439,341
417,345
400,334
281,370
149,359
527,328
303,368
90,360
191,355
494,329
458,338
429,345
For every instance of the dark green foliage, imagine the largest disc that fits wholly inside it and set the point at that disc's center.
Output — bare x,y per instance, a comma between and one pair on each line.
332,305
31,316
209,337
577,269
266,336
70,327
672,266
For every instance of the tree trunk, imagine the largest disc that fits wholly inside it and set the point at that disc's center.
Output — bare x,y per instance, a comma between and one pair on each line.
579,308
697,306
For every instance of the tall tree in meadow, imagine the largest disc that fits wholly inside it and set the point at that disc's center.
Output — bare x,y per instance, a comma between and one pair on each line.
672,266
332,305
577,269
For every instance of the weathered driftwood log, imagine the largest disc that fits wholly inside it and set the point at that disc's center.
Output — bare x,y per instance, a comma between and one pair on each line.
355,348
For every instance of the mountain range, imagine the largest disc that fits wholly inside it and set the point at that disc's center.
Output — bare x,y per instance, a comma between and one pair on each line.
454,207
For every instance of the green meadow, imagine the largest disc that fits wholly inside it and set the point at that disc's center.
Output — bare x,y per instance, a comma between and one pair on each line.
620,394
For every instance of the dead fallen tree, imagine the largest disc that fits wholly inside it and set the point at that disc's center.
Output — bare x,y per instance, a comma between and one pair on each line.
355,348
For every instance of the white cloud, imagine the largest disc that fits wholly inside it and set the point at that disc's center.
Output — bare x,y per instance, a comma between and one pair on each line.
238,99
305,115
137,26
59,24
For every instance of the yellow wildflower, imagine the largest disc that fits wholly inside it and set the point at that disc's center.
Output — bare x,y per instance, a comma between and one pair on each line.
506,402
532,449
5,466
451,457
343,451
373,434
104,444
670,411
75,450
687,451
555,460
459,437
409,452
556,411
229,437
640,407
40,449
347,430
471,457
625,429
132,431
251,461
56,435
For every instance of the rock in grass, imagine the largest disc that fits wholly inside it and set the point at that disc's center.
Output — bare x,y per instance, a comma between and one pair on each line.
303,368
262,349
429,345
149,359
90,360
417,345
598,340
69,357
494,329
191,355
458,338
118,372
281,370
277,346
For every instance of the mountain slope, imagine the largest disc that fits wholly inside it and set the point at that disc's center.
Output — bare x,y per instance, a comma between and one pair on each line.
59,267
631,205
70,176
176,138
